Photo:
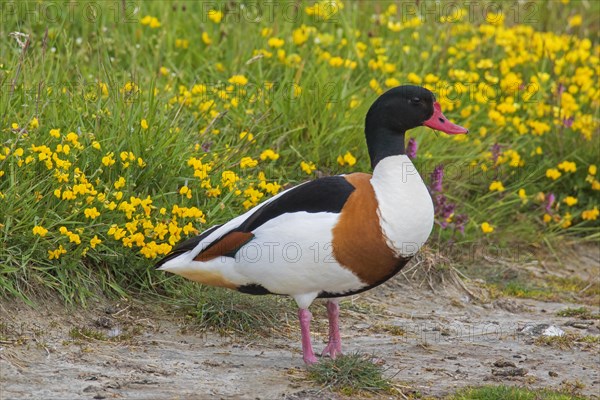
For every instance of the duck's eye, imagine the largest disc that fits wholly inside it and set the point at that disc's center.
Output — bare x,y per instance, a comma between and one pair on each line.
415,100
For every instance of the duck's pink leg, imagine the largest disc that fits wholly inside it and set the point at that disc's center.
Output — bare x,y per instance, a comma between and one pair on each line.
334,347
307,352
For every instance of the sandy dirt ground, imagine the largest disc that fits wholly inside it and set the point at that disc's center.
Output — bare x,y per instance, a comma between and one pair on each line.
431,343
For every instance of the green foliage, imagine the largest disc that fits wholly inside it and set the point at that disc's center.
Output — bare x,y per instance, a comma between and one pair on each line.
229,312
350,374
510,393
580,312
122,132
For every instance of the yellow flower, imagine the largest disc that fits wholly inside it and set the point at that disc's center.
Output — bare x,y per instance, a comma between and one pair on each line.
91,213
487,228
275,42
553,173
95,241
592,169
300,35
34,123
567,166
523,195
206,39
570,201
55,133
152,22
40,230
215,16
144,123
566,222
547,218
248,162
575,20
270,154
392,82
496,186
336,61
108,159
186,191
347,158
55,254
238,80
182,43
73,138
246,135
590,215
307,167
373,84
119,183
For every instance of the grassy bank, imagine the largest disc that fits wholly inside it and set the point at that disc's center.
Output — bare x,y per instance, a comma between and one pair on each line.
128,127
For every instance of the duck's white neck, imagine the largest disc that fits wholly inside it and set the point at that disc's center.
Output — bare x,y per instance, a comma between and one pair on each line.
404,205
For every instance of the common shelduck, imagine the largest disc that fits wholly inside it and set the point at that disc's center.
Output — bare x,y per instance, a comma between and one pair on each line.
330,237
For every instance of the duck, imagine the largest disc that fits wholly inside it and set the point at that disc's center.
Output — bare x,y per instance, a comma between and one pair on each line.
331,237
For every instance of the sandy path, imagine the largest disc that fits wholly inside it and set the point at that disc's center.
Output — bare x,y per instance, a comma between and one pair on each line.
448,342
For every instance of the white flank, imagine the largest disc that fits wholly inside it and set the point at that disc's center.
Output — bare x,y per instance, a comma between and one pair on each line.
291,254
186,258
405,206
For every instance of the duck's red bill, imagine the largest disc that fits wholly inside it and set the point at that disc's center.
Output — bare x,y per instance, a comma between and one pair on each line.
441,123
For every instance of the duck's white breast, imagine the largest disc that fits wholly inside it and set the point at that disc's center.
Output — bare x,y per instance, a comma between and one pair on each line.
405,207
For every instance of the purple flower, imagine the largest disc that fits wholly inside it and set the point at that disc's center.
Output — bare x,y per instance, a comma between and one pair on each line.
561,89
549,202
411,148
460,221
496,150
568,122
437,176
206,146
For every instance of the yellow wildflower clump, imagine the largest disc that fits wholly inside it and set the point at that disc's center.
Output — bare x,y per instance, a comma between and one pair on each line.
248,162
238,80
496,186
215,16
553,173
185,191
307,167
269,154
346,159
567,166
55,254
150,21
570,201
486,227
91,213
40,231
590,215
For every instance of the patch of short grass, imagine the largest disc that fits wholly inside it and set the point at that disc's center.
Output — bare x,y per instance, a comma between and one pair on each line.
580,312
229,312
86,334
568,341
350,375
510,393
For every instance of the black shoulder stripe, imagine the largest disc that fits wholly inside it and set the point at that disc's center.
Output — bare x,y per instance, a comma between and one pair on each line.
327,194
187,245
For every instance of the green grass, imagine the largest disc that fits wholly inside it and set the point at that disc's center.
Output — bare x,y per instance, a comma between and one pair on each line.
351,375
228,312
580,312
511,393
100,75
